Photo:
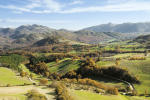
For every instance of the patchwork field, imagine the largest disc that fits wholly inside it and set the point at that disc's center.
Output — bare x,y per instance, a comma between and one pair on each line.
64,65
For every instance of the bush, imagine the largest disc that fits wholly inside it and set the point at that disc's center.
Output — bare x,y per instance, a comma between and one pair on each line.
25,83
98,90
43,81
8,85
34,95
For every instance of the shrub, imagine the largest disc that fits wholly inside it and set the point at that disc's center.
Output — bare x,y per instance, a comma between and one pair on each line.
43,81
8,85
98,90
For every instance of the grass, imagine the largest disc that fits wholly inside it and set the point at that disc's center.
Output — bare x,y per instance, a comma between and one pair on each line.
138,97
124,55
108,82
87,95
46,54
103,63
54,63
136,67
65,66
7,76
19,96
19,92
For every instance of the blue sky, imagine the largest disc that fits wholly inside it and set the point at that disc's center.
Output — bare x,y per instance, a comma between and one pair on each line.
72,14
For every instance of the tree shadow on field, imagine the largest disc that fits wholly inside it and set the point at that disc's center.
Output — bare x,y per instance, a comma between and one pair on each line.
44,87
52,93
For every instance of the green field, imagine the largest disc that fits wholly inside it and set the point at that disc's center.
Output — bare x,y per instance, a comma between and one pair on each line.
46,54
87,95
136,67
64,66
108,82
7,76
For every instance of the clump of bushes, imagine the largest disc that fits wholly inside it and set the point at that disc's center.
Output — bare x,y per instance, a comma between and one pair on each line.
137,58
43,81
35,95
62,92
119,58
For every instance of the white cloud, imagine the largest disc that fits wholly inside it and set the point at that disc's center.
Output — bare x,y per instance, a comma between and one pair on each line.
7,26
51,6
10,26
5,20
4,27
28,20
128,6
17,12
117,1
15,8
76,2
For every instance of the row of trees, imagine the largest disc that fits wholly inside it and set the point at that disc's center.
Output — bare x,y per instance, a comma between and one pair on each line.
87,81
23,74
51,58
137,58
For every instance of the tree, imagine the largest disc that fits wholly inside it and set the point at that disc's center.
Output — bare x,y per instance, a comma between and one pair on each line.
57,60
73,80
79,76
146,93
47,74
43,81
31,75
115,91
26,73
22,74
117,63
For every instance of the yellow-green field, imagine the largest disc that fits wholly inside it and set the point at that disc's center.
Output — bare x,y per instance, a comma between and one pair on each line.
136,67
88,95
7,76
19,92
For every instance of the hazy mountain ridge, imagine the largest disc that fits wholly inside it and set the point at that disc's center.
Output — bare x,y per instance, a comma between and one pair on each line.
47,41
29,39
122,28
6,31
66,30
25,30
81,36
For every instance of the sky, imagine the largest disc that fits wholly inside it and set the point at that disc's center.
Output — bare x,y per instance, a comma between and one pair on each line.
72,14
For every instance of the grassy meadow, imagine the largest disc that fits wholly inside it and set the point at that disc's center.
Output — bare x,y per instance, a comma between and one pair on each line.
7,76
88,95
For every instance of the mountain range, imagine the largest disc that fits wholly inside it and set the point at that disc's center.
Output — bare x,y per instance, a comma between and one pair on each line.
28,34
122,28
